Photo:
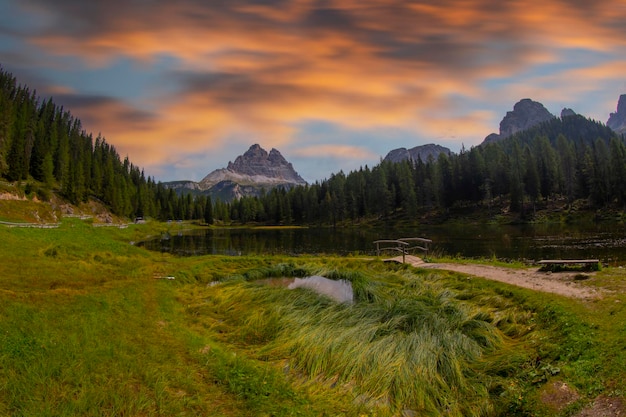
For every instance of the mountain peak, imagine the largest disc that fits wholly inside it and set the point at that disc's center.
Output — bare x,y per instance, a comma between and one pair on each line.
276,158
526,113
247,163
422,152
617,120
255,168
567,112
257,162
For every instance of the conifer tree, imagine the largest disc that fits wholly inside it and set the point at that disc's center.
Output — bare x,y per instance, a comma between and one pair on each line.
208,211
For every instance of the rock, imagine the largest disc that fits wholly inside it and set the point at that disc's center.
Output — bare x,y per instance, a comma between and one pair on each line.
398,155
422,152
256,162
526,114
183,185
617,120
566,112
252,172
105,218
493,137
255,167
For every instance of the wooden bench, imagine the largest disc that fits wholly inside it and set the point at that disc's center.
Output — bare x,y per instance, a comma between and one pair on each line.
587,263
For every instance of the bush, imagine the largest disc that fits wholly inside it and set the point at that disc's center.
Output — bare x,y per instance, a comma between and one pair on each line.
44,194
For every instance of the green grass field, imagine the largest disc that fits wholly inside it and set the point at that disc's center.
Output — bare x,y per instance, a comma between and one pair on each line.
88,327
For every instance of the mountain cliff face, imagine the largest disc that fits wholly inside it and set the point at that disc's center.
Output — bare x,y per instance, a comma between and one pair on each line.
617,120
251,172
255,167
526,114
422,152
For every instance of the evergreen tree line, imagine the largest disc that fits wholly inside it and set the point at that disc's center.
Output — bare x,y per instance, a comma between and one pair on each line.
43,143
570,158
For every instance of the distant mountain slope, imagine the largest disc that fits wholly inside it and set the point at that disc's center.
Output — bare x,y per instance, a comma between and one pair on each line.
252,172
422,152
617,120
577,128
526,114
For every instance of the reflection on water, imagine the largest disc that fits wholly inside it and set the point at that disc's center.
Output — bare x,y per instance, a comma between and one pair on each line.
340,291
606,242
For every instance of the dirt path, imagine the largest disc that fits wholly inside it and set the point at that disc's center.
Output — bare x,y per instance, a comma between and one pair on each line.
562,283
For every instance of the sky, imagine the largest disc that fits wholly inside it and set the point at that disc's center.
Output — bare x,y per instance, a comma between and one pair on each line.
183,87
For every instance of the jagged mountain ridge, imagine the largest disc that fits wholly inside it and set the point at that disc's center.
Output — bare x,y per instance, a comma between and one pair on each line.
617,120
255,167
422,152
251,173
576,128
526,114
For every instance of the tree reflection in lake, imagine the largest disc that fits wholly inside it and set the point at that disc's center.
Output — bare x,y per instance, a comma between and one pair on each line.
606,242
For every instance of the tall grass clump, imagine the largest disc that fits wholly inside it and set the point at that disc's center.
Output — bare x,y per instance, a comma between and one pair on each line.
402,353
405,344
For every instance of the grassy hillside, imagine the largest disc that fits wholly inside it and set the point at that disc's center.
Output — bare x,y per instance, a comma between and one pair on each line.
90,325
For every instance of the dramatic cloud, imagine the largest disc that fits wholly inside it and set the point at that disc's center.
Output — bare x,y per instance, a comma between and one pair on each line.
206,77
337,151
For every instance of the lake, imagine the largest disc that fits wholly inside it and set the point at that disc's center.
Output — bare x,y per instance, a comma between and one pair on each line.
606,242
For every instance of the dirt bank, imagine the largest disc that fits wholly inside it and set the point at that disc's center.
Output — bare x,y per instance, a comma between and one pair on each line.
562,283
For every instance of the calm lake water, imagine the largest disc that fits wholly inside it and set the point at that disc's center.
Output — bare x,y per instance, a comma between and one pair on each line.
606,242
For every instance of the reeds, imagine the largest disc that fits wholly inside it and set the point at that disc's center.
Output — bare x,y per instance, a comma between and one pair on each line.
406,343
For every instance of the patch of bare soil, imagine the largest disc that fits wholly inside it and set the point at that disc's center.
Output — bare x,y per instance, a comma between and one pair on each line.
9,196
557,395
562,283
604,407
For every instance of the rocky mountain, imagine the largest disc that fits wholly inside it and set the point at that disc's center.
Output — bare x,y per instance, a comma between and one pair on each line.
255,167
184,185
617,120
422,152
252,172
567,112
576,128
526,114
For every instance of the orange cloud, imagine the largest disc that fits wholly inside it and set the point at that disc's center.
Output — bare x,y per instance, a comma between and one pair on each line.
337,151
247,72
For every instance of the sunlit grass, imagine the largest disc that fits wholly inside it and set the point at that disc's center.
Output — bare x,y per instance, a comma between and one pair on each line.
85,330
406,343
26,211
493,261
87,327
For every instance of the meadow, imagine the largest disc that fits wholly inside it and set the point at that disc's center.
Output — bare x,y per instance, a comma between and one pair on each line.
91,325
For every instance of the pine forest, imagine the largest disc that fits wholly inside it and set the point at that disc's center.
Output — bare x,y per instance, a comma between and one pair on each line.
45,148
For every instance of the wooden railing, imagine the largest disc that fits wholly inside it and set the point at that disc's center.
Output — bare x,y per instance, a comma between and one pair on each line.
402,245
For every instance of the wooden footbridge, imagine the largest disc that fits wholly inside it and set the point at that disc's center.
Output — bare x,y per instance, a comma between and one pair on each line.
404,246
